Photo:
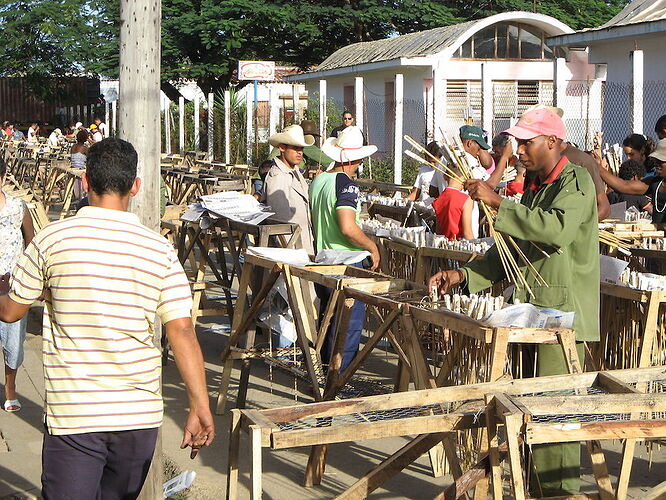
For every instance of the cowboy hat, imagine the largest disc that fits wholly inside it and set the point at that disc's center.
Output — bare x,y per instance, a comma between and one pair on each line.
291,136
660,152
347,146
310,128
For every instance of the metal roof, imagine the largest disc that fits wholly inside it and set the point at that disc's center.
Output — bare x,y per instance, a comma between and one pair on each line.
419,44
638,11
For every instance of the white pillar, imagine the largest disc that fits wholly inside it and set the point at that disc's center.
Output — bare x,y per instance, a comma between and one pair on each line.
560,83
358,100
227,127
273,109
397,141
637,91
196,124
106,119
487,99
167,127
211,127
296,99
114,117
181,125
439,103
249,123
323,118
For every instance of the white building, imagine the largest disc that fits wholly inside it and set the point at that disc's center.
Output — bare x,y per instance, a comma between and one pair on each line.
487,71
631,58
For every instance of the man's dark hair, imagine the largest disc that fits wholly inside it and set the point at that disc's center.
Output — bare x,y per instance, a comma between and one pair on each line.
434,149
347,113
111,166
642,143
661,124
3,167
630,169
263,169
82,136
499,141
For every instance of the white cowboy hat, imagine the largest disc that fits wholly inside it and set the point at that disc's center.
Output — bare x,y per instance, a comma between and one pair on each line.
347,146
660,152
558,111
291,136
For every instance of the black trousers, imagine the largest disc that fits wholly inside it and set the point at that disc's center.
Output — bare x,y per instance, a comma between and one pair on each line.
96,465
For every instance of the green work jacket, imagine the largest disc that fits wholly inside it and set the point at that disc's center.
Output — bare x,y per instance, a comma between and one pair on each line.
561,218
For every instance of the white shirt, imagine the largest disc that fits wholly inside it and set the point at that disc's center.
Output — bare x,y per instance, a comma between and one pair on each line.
102,128
32,134
429,176
53,139
97,136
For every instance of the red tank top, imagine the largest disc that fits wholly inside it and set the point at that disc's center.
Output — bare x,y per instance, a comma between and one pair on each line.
448,209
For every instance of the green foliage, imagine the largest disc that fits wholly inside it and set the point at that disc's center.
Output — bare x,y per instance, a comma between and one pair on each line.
382,170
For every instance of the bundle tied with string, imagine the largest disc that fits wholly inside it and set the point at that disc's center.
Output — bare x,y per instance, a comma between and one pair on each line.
461,171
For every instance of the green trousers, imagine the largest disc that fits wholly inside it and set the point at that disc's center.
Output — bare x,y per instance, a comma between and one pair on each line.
556,467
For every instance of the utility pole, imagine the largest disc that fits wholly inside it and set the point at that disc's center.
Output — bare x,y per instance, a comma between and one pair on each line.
139,123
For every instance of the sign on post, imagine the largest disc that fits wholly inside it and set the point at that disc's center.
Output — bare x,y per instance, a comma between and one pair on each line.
256,70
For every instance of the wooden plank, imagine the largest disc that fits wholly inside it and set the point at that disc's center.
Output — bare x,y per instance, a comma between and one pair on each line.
623,429
370,430
254,418
603,404
234,452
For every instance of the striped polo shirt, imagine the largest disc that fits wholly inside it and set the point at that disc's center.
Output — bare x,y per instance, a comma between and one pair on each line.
106,278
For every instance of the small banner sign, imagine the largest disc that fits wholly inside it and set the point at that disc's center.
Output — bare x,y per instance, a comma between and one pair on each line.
256,70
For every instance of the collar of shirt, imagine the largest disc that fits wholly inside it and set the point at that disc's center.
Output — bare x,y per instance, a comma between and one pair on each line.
108,213
284,167
552,177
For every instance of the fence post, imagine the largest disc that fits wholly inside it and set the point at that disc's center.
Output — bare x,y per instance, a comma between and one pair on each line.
167,127
227,127
487,99
296,99
211,127
114,116
397,140
273,109
560,83
196,124
249,122
637,91
323,118
358,101
106,119
181,125
439,102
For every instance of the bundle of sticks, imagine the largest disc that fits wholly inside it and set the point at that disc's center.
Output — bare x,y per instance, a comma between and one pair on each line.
613,241
461,171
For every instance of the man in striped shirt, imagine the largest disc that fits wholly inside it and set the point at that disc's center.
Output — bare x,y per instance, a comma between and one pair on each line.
105,278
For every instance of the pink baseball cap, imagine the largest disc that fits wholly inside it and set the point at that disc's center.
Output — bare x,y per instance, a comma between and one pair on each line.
538,122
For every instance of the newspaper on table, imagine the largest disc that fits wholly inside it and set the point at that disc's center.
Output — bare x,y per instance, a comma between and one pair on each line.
529,316
610,269
334,257
236,206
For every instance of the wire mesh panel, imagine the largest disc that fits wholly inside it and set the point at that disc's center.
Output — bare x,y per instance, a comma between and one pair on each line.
654,103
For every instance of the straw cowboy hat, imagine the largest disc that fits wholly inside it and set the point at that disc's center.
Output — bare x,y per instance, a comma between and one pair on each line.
291,136
347,146
660,152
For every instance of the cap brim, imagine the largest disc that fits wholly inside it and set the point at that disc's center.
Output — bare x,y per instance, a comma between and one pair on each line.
521,133
482,143
659,155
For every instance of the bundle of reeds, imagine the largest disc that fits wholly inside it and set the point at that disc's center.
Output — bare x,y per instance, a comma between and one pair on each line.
461,171
614,241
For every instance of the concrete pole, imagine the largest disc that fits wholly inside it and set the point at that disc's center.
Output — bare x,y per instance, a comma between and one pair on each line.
181,125
560,83
249,115
296,99
487,99
114,117
211,127
167,127
323,118
139,97
227,127
196,124
637,91
358,101
397,139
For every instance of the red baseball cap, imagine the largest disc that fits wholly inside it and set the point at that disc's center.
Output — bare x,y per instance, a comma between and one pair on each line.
538,122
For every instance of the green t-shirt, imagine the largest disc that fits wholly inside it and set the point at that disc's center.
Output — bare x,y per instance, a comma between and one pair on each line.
330,192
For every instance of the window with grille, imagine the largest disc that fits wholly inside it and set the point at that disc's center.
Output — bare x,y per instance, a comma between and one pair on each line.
463,100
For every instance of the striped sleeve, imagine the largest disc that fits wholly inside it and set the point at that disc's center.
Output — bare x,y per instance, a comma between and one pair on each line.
28,276
175,296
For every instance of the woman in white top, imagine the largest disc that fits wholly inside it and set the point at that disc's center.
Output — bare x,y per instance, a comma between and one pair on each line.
54,138
80,150
429,181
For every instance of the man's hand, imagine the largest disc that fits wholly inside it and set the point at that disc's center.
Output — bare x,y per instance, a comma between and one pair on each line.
445,280
199,430
374,255
481,191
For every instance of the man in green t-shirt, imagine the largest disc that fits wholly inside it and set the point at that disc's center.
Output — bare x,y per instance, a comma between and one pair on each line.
335,209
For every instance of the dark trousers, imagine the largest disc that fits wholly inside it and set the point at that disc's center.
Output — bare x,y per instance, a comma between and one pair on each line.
96,465
356,323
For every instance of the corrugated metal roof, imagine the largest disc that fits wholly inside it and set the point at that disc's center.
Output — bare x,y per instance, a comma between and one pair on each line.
422,43
638,11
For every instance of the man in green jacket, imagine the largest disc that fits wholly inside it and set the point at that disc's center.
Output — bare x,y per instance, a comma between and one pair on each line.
558,213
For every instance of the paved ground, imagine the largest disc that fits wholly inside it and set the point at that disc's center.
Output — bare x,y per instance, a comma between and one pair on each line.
20,441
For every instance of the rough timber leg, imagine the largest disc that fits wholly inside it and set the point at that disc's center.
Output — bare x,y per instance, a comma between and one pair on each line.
493,448
326,320
234,450
246,366
499,353
255,444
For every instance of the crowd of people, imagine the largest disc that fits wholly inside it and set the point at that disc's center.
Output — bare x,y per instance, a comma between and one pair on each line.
56,137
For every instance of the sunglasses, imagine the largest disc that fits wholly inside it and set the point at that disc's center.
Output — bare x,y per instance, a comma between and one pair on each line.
348,118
